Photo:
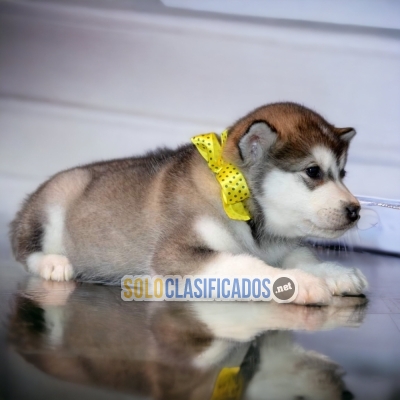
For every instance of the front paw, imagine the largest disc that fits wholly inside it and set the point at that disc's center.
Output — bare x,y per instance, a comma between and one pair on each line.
344,281
311,289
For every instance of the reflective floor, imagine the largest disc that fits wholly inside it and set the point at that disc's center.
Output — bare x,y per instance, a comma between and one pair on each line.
81,341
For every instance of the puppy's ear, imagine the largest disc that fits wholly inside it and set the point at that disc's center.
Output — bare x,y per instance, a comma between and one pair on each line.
256,141
346,134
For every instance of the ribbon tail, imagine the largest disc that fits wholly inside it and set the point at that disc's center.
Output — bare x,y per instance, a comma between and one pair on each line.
237,211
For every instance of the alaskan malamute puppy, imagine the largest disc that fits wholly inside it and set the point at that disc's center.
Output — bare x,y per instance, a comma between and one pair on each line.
239,206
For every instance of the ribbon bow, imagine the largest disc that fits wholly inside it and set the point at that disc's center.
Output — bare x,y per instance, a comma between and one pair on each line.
234,186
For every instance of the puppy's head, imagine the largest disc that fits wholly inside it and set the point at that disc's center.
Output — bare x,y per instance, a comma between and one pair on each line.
294,162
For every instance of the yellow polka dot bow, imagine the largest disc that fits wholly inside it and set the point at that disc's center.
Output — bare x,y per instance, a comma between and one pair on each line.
234,186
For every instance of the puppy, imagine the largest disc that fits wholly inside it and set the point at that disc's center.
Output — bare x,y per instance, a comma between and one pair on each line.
236,206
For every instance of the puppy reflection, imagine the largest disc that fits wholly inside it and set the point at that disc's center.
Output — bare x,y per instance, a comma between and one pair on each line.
208,350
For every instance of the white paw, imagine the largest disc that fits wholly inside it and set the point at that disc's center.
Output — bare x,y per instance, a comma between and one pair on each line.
342,280
55,267
312,290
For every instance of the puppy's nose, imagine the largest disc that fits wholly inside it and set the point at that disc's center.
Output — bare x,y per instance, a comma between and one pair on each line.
353,212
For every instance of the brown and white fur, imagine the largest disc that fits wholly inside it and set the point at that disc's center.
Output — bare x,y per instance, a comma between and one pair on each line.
162,213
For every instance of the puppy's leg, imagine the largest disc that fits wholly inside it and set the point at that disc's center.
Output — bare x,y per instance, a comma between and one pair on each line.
51,263
312,290
38,232
340,280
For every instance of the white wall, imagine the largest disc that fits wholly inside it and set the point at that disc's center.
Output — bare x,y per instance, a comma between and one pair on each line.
88,80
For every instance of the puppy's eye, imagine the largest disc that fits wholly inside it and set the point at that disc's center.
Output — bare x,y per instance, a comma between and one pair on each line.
314,172
342,173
